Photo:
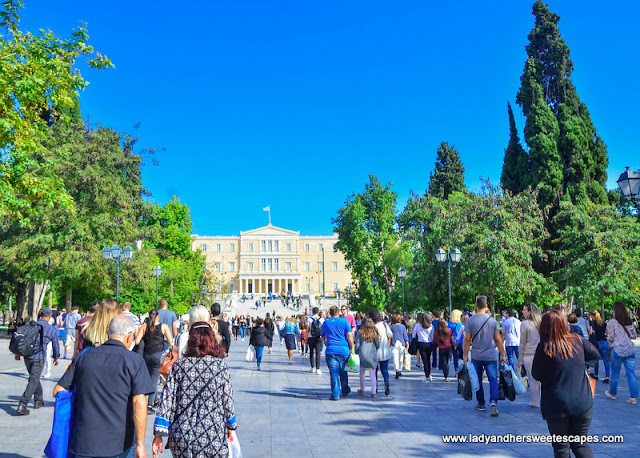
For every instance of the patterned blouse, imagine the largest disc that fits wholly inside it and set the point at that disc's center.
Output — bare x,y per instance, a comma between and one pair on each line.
619,340
197,408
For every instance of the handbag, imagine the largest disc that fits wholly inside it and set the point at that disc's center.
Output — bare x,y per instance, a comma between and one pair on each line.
413,346
250,353
168,361
592,384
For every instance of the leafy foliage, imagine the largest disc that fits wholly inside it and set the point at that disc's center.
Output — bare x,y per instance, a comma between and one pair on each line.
448,174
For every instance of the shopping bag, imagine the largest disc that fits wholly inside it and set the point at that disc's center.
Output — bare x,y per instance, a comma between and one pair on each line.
234,446
464,383
506,384
592,384
250,353
524,379
473,376
353,363
58,445
517,384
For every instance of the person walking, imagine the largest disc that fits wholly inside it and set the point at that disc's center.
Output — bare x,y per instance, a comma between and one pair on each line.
567,403
599,328
243,327
195,314
337,335
314,324
367,343
290,330
269,326
70,322
81,327
481,331
399,343
583,323
111,386
458,338
154,335
304,337
434,322
260,337
196,411
444,342
384,350
620,332
35,362
511,337
168,317
344,313
223,326
423,331
529,340
95,331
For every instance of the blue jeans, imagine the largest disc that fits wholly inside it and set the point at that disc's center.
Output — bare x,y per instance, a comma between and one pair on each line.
243,331
124,454
603,346
259,354
384,368
513,350
337,365
492,374
629,368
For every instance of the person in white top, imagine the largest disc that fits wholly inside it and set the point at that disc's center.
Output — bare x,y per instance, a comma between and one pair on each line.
423,330
583,323
511,337
529,340
197,313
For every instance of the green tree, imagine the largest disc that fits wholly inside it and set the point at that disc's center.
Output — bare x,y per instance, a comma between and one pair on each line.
515,168
34,76
366,237
448,173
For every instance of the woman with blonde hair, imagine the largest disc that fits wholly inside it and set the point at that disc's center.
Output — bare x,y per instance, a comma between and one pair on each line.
94,333
456,326
366,345
599,328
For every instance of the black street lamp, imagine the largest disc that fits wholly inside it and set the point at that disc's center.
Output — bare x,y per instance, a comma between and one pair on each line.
629,183
450,257
402,272
157,271
117,255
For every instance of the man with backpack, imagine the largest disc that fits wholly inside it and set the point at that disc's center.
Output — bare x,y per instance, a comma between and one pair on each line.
314,323
30,341
223,327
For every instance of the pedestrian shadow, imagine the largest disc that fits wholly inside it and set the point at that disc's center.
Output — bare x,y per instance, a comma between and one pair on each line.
13,455
10,407
289,393
16,374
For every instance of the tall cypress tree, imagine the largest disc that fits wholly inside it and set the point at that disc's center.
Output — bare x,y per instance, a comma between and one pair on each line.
448,174
515,167
582,151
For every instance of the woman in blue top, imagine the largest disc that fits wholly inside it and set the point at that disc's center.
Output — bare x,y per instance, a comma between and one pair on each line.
290,330
399,343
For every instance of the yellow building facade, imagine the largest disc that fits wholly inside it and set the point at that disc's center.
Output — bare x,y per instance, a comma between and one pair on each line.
270,259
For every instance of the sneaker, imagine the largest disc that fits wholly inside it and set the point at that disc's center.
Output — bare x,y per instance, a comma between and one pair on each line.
259,368
531,404
318,372
494,410
430,379
386,389
606,380
481,407
64,356
397,375
609,395
47,375
446,380
22,410
418,365
38,404
313,370
632,401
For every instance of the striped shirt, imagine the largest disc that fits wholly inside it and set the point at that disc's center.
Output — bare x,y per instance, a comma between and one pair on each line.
135,318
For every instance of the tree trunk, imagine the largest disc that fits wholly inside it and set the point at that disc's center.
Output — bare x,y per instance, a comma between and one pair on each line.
602,302
69,299
10,308
50,298
37,291
21,299
492,301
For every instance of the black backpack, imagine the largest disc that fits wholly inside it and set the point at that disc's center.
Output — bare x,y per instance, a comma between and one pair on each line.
25,340
315,328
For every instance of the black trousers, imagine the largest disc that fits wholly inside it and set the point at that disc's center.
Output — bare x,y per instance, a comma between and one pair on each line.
577,425
154,361
425,351
445,357
315,347
34,387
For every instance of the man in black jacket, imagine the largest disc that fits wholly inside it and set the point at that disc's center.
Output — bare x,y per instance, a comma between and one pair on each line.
223,327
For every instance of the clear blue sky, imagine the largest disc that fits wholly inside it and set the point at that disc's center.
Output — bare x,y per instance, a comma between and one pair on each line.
293,104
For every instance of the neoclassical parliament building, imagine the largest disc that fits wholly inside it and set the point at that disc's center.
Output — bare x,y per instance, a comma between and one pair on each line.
270,259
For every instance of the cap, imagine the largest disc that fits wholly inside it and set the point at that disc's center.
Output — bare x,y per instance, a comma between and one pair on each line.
45,311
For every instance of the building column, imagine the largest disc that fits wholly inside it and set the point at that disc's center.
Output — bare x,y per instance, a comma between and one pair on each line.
256,285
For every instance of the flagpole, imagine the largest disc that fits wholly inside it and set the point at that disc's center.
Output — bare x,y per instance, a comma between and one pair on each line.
269,215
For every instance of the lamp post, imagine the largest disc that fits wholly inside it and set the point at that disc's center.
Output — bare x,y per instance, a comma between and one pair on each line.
374,283
157,271
450,257
402,272
629,183
117,255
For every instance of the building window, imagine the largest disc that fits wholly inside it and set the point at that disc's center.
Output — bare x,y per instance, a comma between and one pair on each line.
250,267
233,247
218,267
204,247
288,267
288,247
276,264
218,287
333,247
270,262
307,266
334,266
263,261
218,247
270,246
307,286
251,247
264,245
276,244
306,247
321,286
349,286
320,266
232,267
232,287
320,246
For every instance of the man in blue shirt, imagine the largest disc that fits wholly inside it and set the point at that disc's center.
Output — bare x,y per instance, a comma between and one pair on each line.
35,362
337,336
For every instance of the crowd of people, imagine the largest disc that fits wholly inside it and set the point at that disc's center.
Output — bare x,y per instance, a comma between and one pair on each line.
116,359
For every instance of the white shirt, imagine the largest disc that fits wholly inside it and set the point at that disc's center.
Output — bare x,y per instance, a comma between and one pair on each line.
511,330
424,335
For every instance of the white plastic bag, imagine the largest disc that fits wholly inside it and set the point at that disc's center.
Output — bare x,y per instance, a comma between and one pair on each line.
517,384
250,353
473,375
353,364
234,446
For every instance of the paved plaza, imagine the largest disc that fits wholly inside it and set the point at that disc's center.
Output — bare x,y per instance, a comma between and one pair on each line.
284,411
